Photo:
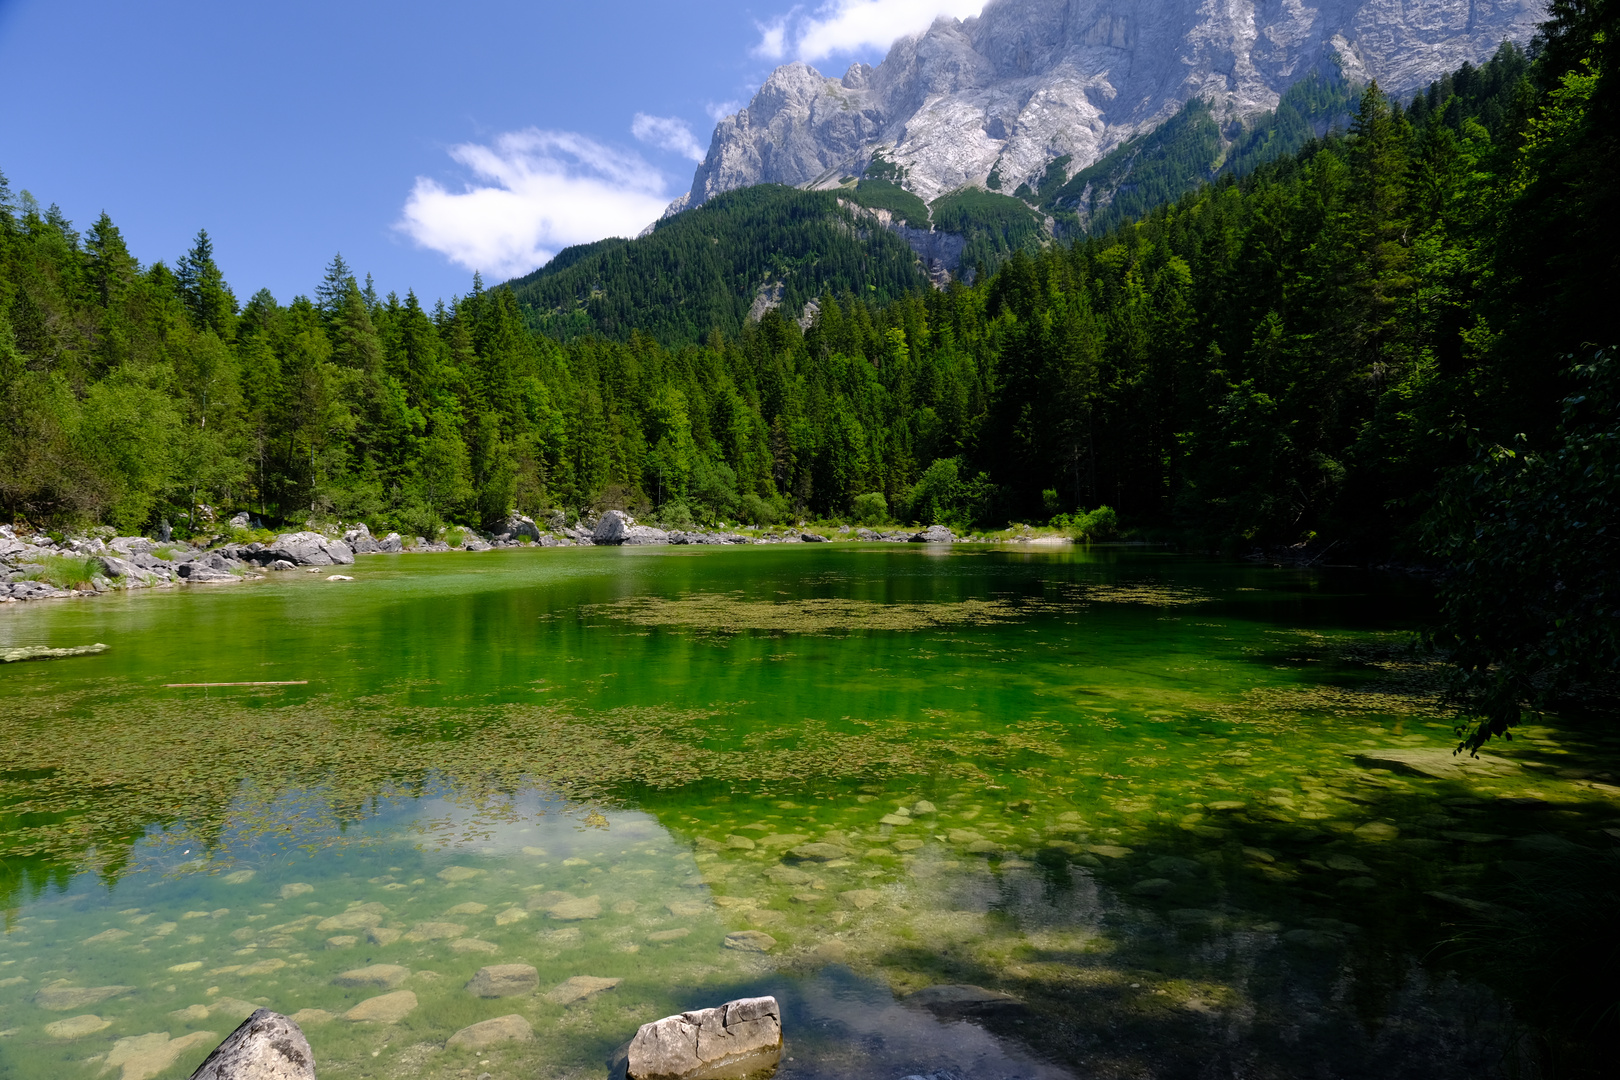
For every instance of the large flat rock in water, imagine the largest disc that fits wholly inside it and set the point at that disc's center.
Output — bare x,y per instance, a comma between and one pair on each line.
141,1057
504,980
1437,763
60,997
735,1040
386,976
384,1009
487,1033
962,999
268,1046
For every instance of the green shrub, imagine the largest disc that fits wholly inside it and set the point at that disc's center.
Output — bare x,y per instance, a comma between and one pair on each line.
675,515
455,536
870,509
758,511
1099,524
64,571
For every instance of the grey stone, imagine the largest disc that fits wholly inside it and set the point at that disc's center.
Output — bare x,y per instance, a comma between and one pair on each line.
242,520
614,528
360,541
934,534
488,1033
40,652
736,1039
645,534
818,852
130,546
750,941
385,976
309,549
578,988
517,527
268,1046
60,997
198,573
383,1009
114,567
504,980
813,538
391,544
77,1027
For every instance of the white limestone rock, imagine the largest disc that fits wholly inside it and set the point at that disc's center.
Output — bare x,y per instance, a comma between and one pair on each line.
1028,81
736,1039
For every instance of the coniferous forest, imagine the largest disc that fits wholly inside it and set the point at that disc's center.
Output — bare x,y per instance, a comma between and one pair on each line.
1301,352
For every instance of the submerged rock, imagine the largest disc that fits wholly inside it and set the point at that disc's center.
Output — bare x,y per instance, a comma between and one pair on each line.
384,976
39,652
384,1009
60,997
578,988
487,1033
750,941
737,1039
504,980
77,1027
145,1056
268,1046
961,999
1438,763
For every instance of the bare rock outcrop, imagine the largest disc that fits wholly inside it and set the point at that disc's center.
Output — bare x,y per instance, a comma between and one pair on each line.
1028,81
736,1039
268,1046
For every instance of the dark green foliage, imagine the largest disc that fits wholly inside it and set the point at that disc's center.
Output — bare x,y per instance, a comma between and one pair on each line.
883,195
1307,111
1532,536
1147,171
700,270
994,225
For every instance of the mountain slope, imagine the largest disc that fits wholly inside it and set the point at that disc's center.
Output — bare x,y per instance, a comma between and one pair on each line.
1029,82
710,267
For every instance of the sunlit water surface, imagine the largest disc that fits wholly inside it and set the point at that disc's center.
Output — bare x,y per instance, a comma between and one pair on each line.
1119,786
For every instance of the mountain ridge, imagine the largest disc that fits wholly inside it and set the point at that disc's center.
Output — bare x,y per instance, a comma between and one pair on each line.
993,100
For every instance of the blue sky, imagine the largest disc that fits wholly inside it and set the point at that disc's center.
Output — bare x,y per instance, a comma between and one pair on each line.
420,140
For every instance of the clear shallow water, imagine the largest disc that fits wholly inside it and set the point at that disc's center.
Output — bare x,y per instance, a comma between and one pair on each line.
1118,785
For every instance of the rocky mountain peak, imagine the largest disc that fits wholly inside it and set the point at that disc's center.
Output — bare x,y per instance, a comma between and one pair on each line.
1029,81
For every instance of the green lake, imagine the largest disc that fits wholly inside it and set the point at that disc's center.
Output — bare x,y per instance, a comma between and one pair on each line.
1150,796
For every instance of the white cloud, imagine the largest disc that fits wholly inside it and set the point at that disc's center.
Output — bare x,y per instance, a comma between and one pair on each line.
667,133
845,26
772,39
538,192
719,110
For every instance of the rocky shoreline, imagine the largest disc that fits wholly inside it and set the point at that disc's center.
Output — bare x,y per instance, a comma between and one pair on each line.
121,563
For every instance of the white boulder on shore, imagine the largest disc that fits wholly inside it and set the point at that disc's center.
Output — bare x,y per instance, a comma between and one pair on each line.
736,1039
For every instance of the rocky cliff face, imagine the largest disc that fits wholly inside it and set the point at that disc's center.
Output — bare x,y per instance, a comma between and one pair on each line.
1031,80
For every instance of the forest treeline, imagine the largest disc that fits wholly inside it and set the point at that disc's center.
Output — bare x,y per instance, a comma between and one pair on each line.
1296,352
